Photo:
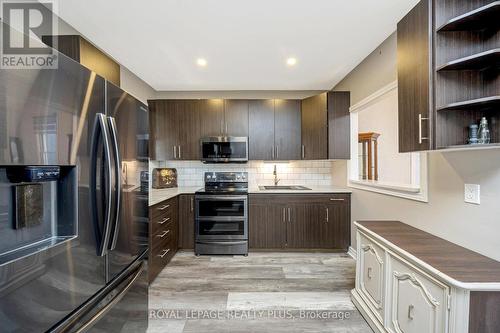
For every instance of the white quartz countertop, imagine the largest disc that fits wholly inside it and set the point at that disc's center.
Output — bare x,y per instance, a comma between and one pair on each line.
313,190
157,196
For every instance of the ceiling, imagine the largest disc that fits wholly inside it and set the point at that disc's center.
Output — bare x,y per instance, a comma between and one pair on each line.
245,42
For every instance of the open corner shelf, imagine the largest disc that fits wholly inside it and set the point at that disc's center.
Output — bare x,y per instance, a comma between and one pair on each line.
485,102
481,18
487,59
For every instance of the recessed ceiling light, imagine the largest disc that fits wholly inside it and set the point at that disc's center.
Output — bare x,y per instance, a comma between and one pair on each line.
201,62
291,61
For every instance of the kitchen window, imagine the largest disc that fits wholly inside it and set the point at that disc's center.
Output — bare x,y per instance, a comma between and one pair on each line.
376,164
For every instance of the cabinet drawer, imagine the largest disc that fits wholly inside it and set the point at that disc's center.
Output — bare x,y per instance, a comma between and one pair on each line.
165,207
371,274
418,301
163,236
162,221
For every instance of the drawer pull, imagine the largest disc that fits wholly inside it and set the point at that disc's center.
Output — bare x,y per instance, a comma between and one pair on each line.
164,253
164,220
410,311
337,199
163,234
163,207
327,215
369,273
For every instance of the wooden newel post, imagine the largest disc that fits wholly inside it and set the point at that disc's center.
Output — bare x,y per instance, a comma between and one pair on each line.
370,151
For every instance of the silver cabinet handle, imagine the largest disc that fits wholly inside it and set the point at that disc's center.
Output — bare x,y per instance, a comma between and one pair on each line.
164,220
289,213
327,214
192,204
163,234
163,207
164,253
175,152
303,152
284,214
420,119
179,152
337,199
410,311
369,273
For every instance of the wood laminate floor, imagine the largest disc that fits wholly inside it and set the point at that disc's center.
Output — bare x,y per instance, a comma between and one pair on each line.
264,292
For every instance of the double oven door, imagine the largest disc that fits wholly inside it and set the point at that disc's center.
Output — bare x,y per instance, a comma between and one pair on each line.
221,217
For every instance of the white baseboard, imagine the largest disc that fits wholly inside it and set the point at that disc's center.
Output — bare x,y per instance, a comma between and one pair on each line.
352,252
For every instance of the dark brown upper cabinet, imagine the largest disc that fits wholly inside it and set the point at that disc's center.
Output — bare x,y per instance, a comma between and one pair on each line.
235,117
261,130
79,49
188,130
212,117
174,129
274,130
415,114
287,129
339,125
326,126
314,128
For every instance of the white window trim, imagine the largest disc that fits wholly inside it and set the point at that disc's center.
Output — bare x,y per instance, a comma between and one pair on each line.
418,190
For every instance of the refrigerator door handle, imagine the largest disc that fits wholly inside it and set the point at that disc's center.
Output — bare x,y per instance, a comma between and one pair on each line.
102,238
118,181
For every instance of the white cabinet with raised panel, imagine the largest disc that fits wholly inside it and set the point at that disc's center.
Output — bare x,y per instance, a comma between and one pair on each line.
370,279
418,302
410,281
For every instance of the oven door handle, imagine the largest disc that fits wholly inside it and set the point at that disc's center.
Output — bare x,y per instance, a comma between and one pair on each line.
221,197
223,243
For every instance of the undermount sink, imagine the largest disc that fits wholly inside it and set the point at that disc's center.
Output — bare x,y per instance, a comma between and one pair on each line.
284,187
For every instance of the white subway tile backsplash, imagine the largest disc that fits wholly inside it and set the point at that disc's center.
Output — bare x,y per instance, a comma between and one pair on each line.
190,173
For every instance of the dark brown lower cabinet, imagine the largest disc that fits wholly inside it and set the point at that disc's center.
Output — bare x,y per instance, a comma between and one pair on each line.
186,221
314,221
163,235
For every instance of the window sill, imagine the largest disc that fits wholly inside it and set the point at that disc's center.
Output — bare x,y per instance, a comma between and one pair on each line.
406,192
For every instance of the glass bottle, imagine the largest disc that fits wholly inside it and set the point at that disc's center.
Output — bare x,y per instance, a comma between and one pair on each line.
483,134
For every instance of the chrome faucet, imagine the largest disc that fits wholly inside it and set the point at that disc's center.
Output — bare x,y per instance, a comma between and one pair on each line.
275,174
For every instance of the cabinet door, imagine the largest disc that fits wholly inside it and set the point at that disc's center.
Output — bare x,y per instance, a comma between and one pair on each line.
287,129
186,221
267,228
212,117
338,226
261,130
414,80
371,282
314,128
419,302
339,125
189,131
236,117
299,225
163,126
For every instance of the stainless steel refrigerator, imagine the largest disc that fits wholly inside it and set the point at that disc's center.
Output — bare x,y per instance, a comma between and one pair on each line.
79,261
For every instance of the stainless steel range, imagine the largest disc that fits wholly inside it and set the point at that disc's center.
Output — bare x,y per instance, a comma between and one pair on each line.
221,214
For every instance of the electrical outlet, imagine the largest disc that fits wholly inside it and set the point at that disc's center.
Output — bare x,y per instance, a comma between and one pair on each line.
472,193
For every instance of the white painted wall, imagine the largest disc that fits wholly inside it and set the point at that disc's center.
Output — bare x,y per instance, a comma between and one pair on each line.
445,215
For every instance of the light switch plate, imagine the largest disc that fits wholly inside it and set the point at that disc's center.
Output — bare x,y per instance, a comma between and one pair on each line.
472,193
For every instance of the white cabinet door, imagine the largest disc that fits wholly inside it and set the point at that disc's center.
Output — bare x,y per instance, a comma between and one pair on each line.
371,275
419,302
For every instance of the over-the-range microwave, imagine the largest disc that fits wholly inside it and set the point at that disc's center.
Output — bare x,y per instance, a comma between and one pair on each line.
224,149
